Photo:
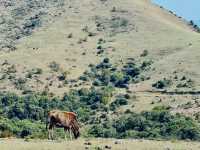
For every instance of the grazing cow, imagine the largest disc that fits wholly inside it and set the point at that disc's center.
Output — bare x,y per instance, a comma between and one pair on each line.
62,119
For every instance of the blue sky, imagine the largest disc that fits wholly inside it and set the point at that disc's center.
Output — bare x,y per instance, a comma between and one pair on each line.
188,9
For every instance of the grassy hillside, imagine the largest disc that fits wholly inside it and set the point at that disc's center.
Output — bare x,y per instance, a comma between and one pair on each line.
98,55
68,36
125,28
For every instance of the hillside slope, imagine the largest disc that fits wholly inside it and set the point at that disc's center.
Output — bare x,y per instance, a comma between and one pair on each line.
73,34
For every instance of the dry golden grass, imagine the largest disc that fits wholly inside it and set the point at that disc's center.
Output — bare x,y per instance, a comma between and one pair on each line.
16,144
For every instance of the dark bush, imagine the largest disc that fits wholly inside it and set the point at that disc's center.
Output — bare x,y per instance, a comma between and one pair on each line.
84,78
100,131
106,60
161,84
131,70
144,53
118,102
54,66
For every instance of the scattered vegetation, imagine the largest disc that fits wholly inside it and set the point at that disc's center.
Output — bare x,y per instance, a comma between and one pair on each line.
31,110
25,116
33,72
185,83
114,25
196,27
105,73
158,123
22,18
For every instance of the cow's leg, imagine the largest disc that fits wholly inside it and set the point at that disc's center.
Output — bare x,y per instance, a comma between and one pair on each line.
52,133
49,134
65,133
51,130
70,133
65,137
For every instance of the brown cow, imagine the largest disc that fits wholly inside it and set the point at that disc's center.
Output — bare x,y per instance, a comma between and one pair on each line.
62,119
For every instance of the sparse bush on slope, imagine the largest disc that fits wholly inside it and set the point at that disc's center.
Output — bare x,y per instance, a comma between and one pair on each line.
23,116
105,73
196,27
23,17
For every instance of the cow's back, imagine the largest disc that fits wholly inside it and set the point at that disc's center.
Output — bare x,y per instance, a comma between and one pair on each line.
70,115
62,117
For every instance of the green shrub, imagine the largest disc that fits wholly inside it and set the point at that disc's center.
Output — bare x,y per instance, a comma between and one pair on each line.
161,84
54,66
131,69
62,77
144,53
99,47
146,64
37,71
106,60
97,82
196,27
118,102
100,131
84,78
